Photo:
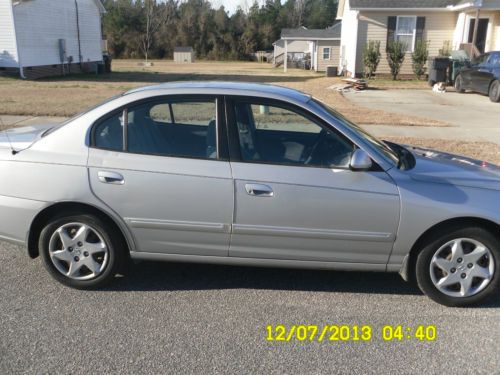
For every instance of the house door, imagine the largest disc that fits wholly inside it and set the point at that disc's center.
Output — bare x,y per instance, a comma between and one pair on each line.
482,30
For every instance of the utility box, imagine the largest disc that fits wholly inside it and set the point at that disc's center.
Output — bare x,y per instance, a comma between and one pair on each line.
62,50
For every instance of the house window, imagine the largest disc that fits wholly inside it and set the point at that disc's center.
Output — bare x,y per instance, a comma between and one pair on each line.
326,53
406,30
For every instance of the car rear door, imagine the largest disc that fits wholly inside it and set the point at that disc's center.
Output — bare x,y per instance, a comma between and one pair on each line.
295,197
158,165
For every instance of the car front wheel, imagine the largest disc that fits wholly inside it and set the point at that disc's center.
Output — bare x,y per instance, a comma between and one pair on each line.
494,93
459,84
460,268
80,251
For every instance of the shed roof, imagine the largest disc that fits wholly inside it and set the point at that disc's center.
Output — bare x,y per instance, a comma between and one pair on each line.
183,49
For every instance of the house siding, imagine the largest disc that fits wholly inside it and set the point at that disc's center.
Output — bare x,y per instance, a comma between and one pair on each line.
8,49
334,54
439,28
40,24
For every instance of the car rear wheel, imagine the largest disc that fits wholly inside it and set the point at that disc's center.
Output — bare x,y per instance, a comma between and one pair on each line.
494,93
460,268
80,251
459,84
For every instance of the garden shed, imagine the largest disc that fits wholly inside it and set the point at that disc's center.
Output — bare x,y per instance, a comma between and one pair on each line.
183,55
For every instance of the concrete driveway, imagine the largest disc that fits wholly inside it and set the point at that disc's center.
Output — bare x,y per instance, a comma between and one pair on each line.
472,116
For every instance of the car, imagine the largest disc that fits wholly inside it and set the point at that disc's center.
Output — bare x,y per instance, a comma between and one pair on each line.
245,174
481,75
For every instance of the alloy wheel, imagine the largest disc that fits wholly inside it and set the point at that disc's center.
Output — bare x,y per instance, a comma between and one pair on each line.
462,267
78,251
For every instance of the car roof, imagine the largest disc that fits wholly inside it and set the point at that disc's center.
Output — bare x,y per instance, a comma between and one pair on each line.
224,87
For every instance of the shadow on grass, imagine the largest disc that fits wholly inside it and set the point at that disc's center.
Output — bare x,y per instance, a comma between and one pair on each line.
158,77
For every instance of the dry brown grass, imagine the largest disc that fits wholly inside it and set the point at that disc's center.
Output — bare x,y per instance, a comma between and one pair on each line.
70,95
478,150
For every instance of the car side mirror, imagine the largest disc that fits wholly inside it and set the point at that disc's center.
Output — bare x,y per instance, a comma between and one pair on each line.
360,160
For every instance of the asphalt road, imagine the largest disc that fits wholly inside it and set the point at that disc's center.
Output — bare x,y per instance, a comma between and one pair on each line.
178,318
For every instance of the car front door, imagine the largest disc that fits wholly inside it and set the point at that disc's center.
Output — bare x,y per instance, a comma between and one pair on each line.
295,196
481,74
157,164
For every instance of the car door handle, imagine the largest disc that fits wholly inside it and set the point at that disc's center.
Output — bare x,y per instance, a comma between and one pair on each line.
259,190
108,177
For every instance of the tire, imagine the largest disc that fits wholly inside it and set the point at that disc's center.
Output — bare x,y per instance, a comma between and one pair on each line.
459,84
494,92
428,274
81,251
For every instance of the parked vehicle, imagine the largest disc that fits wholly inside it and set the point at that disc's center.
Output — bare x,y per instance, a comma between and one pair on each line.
245,174
481,75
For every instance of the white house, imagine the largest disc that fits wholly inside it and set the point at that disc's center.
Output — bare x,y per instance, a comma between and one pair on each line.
50,37
321,45
444,24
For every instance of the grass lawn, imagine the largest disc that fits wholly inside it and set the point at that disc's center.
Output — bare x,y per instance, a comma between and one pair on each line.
66,96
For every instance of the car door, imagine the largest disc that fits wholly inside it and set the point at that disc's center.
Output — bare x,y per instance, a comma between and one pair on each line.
481,74
295,196
156,163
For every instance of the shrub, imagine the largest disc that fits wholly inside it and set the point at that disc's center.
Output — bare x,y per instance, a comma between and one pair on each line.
446,50
419,58
371,57
396,51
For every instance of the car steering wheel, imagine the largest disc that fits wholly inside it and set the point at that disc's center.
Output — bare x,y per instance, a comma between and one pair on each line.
329,146
320,139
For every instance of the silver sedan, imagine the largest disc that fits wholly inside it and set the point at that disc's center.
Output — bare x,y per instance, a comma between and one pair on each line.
245,174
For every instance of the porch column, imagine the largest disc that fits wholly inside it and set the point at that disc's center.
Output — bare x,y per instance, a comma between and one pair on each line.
476,25
459,36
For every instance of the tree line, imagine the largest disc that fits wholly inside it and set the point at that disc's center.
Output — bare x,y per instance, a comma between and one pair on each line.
152,28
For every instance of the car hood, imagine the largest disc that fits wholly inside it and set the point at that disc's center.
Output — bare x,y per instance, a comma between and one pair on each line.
23,137
441,167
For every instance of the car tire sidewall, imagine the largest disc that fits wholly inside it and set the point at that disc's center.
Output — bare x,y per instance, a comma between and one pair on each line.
108,236
459,85
494,92
423,264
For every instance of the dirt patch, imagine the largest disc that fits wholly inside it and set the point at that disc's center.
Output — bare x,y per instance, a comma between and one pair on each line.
486,151
67,96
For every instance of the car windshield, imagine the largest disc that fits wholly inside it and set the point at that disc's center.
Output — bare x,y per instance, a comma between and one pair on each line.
380,145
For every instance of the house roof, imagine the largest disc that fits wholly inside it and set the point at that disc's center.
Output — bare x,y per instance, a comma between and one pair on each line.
401,4
333,32
183,49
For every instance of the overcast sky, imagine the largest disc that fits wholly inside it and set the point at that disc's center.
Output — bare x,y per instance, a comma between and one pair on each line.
231,5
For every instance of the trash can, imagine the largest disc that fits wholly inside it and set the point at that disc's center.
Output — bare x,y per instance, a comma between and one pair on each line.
460,59
438,69
106,58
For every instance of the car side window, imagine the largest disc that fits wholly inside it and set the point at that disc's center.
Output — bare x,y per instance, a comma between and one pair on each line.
495,60
108,134
178,129
279,135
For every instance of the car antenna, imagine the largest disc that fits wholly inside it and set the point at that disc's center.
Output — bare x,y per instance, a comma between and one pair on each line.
14,152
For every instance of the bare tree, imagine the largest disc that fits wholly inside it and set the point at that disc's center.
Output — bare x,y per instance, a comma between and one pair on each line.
156,15
300,9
